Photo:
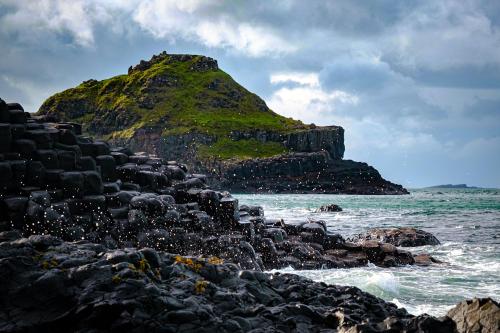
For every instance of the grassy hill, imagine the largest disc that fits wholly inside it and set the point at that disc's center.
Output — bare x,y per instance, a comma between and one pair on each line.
176,94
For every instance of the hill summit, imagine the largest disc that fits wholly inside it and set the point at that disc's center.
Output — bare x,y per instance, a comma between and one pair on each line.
176,93
184,107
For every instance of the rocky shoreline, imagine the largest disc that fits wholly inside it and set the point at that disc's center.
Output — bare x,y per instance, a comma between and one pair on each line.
135,235
47,285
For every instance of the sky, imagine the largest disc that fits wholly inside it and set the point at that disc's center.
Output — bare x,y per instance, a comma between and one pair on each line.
415,84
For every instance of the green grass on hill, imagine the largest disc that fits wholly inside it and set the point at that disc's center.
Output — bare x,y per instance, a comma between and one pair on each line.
175,98
208,102
226,148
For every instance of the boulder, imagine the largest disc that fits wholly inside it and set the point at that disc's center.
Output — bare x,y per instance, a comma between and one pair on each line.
17,131
329,208
252,210
108,167
67,159
120,158
111,187
5,138
25,147
48,157
35,173
5,175
40,197
87,163
67,137
17,117
72,183
42,137
92,183
317,230
476,316
18,172
4,112
404,236
228,213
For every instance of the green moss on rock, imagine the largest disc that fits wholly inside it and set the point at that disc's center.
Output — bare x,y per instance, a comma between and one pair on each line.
226,148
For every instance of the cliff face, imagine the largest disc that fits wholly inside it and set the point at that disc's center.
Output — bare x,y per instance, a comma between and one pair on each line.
185,147
325,138
183,107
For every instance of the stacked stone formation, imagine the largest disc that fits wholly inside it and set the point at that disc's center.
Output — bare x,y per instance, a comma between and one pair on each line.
54,180
48,285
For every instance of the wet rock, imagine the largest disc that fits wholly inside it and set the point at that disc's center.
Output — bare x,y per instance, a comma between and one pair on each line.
72,183
425,260
108,167
404,236
329,208
316,230
252,210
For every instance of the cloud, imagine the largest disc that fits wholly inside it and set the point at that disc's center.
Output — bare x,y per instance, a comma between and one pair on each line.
308,102
68,21
174,19
413,82
307,79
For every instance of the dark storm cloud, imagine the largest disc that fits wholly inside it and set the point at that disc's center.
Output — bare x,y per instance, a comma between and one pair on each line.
484,108
382,66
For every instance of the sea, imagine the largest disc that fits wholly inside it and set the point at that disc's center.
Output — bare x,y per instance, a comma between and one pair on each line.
466,221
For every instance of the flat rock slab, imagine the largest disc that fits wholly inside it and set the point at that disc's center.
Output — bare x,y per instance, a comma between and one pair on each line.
405,237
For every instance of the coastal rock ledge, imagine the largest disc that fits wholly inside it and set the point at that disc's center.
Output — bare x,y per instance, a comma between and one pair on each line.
403,236
47,285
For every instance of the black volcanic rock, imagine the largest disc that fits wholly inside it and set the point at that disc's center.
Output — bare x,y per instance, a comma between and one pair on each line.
329,208
403,236
312,172
47,285
106,240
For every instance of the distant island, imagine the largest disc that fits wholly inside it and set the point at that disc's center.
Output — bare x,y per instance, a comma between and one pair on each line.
456,186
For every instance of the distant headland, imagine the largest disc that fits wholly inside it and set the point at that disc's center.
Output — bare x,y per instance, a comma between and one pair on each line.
454,186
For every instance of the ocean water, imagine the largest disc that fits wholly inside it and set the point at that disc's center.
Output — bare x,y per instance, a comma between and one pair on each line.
467,222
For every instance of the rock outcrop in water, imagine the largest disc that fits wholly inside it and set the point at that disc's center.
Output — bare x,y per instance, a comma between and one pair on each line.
184,108
305,173
404,236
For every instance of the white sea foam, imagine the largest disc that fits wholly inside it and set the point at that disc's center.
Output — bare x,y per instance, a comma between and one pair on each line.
387,282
